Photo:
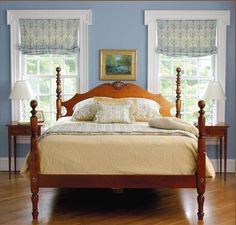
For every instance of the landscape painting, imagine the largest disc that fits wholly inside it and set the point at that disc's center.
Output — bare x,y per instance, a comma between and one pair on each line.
118,64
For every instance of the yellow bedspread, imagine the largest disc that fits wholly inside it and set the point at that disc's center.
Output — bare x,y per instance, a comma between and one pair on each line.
118,154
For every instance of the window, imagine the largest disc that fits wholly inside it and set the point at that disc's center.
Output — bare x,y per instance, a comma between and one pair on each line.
195,74
40,71
39,68
196,71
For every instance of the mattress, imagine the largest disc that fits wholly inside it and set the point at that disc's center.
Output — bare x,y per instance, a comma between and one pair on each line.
90,148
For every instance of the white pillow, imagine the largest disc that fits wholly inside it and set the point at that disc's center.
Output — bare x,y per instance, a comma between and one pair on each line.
116,113
143,109
146,109
84,110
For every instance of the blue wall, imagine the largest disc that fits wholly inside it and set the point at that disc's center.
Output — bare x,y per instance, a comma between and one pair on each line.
114,25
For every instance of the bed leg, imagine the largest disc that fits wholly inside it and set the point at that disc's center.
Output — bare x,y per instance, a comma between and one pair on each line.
200,200
35,199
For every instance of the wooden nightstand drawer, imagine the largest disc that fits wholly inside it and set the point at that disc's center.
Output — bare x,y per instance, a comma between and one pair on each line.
207,131
21,130
219,132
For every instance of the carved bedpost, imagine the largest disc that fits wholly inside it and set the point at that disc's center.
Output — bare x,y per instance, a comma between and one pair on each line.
58,91
34,160
201,158
178,93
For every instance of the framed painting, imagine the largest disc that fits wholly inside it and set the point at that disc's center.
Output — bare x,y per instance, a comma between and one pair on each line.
40,116
118,64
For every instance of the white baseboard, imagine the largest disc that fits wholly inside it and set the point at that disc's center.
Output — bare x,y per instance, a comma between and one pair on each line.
19,163
4,163
230,165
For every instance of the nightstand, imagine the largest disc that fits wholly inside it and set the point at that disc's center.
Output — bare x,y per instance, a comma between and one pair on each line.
219,130
15,130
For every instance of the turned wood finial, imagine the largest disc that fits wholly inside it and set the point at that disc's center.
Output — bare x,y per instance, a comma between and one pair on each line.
178,69
201,105
58,81
58,92
201,118
58,69
178,93
33,105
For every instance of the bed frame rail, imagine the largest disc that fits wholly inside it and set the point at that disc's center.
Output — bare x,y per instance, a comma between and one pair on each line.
117,181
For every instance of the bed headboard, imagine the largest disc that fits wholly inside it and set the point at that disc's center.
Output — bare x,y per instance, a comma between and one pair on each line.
117,89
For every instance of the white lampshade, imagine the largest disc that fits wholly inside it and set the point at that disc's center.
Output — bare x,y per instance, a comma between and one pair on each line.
22,91
214,91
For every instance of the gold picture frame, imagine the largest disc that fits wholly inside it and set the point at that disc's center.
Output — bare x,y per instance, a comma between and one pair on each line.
118,64
40,116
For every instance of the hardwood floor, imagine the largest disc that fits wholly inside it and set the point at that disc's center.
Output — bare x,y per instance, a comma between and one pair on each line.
104,207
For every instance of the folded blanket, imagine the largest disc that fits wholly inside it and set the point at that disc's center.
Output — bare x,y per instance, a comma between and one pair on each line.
173,123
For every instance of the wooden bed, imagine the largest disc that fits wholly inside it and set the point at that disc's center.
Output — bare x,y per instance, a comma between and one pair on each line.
117,90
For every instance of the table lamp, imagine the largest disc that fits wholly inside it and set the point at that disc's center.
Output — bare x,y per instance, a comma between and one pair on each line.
22,91
214,92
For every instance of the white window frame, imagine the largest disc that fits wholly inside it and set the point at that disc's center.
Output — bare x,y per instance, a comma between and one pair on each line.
52,77
13,16
223,20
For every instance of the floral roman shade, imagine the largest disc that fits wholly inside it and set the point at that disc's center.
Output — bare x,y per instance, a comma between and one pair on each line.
192,38
49,36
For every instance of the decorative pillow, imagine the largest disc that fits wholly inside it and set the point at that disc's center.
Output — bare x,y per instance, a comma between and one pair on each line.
118,101
143,109
113,113
84,110
146,109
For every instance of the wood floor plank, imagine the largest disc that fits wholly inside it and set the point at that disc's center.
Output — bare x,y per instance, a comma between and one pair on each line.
105,207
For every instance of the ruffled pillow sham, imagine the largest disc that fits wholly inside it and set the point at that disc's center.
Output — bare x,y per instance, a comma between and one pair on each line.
84,110
146,109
